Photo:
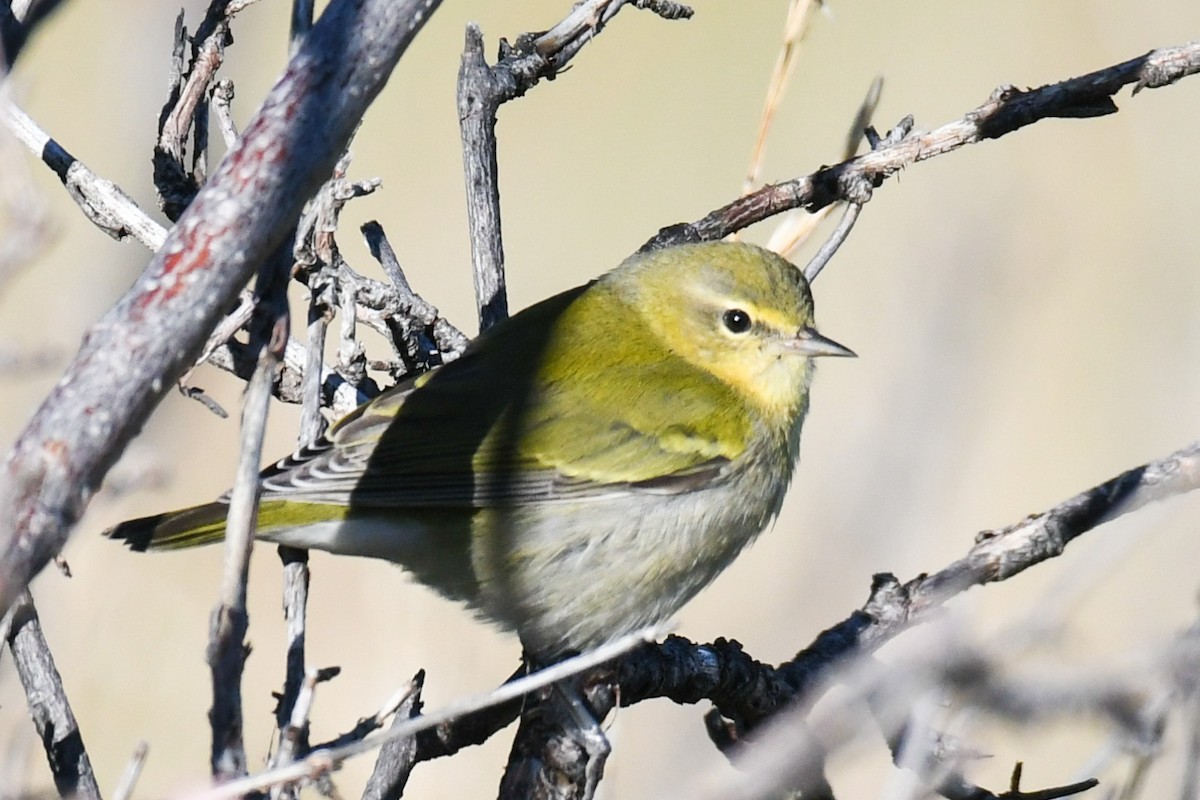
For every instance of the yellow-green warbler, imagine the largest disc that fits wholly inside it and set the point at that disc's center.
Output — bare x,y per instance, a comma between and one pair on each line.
585,467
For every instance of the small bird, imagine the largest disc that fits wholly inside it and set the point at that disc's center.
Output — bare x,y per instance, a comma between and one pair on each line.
584,468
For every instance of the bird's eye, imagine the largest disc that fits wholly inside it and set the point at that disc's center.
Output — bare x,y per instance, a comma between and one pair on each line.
736,320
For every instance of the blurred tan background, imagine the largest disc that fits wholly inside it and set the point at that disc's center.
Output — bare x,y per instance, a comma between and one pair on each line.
1026,314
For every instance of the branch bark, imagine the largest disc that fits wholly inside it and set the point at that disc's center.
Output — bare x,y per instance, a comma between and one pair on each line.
48,705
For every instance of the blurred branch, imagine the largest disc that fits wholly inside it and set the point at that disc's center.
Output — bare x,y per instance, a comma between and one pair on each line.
48,705
1007,110
25,222
18,20
302,21
482,89
799,16
133,771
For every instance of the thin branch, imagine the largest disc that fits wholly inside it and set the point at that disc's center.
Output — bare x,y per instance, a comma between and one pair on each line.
28,231
141,347
482,89
321,762
1008,110
226,650
397,757
293,734
748,692
133,770
221,99
448,340
102,201
295,613
799,15
48,705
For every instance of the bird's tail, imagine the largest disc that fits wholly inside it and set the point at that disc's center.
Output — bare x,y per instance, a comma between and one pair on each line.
175,530
192,527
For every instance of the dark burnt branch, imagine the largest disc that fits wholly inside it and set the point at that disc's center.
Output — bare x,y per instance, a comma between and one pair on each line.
186,108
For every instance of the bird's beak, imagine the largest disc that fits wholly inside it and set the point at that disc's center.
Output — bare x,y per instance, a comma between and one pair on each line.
812,344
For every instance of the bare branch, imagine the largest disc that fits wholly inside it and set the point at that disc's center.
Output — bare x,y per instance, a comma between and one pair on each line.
48,705
293,734
133,771
101,201
1007,110
186,109
800,13
448,340
226,649
321,762
398,756
482,89
155,332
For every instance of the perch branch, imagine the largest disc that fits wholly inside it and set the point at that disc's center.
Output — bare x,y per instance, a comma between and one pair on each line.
323,761
749,692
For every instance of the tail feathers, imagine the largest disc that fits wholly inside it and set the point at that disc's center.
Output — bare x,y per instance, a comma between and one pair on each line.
175,530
